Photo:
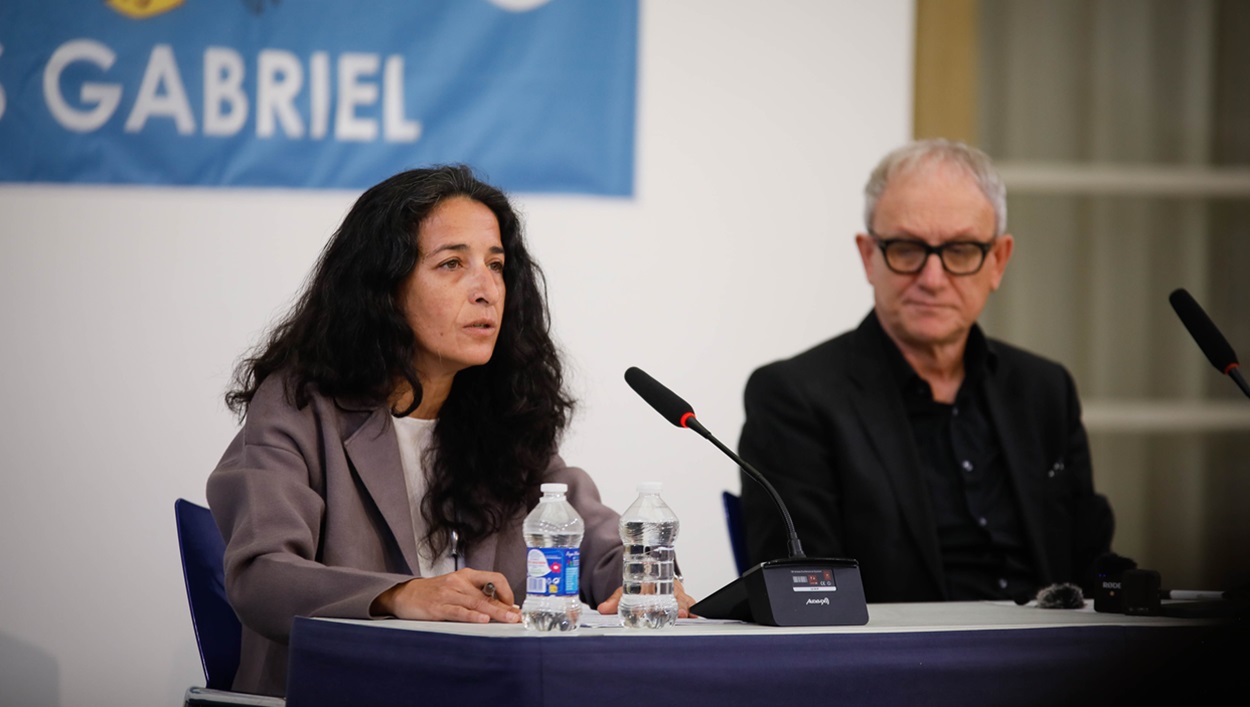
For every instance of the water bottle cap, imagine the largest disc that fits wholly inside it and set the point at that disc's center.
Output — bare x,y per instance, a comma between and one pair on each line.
650,487
555,488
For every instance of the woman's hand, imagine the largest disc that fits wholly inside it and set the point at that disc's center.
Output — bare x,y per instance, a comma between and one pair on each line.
459,596
684,602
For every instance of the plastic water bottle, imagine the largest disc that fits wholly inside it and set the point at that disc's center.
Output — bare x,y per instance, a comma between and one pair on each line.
553,533
648,530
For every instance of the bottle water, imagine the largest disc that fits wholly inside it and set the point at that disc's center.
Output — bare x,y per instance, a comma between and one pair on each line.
648,530
553,533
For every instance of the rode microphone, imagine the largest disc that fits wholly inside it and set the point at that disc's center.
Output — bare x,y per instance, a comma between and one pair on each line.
797,591
1217,349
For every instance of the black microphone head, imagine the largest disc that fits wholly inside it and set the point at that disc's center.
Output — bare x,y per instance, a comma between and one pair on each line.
665,401
1200,326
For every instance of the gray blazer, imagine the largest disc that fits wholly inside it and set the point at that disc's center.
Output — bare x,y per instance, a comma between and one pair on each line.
313,506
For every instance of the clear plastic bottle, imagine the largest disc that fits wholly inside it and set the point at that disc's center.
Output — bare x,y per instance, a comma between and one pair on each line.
648,530
553,533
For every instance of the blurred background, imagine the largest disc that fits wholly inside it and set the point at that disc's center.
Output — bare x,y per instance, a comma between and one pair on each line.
1122,129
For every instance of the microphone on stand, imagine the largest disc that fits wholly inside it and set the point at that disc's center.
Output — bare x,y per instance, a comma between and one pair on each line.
797,591
1219,352
1221,355
679,412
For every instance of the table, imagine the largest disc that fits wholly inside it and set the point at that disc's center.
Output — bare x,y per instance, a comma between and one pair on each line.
948,653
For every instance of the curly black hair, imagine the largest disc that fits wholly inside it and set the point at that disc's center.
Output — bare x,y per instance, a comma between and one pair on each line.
347,336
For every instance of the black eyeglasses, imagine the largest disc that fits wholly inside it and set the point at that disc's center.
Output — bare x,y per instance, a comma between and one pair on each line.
907,256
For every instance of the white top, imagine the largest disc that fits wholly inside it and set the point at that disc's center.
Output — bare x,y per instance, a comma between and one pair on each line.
650,487
414,438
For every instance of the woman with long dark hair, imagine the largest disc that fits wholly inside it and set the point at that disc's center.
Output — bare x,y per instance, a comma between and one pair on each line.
397,425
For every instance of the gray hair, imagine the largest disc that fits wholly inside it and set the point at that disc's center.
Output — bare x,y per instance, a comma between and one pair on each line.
924,152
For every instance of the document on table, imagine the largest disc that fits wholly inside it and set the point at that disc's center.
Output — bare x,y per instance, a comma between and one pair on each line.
593,619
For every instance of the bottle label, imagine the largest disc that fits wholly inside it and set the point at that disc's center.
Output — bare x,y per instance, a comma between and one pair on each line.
553,571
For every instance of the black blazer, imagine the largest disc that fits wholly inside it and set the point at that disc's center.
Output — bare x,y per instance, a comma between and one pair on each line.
830,431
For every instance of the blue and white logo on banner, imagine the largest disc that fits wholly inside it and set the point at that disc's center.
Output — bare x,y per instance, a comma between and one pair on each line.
539,95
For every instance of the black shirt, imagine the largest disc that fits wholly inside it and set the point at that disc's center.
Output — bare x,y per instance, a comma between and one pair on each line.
974,507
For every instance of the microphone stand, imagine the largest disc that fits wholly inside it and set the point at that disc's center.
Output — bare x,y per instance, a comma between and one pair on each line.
796,591
1235,374
796,548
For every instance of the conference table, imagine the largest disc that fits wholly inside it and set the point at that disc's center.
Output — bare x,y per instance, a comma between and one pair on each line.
949,653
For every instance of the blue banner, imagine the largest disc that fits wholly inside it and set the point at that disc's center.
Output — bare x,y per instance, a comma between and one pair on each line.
538,95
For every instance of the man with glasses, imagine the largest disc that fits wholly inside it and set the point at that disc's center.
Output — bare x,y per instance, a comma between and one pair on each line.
950,465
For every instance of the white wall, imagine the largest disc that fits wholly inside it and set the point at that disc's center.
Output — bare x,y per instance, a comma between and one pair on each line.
123,310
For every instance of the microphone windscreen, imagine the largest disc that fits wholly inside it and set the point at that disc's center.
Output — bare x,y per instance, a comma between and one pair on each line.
1061,596
1200,326
665,401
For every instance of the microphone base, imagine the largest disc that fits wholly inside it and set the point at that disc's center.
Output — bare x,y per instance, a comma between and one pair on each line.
800,591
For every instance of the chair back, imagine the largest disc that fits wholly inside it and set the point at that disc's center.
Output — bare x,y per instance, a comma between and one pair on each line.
737,537
217,629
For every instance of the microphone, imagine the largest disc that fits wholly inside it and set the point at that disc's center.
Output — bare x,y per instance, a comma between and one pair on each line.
669,404
1061,596
1217,349
797,591
679,412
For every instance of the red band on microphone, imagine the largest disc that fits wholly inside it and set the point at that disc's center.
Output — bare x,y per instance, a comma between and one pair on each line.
685,417
1227,370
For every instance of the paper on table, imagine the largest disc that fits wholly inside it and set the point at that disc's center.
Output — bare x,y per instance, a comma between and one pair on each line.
593,619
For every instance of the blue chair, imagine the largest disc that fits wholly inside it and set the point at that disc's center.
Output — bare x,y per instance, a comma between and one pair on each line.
737,537
218,632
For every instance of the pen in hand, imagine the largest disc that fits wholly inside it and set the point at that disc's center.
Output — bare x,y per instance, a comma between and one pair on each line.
489,590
